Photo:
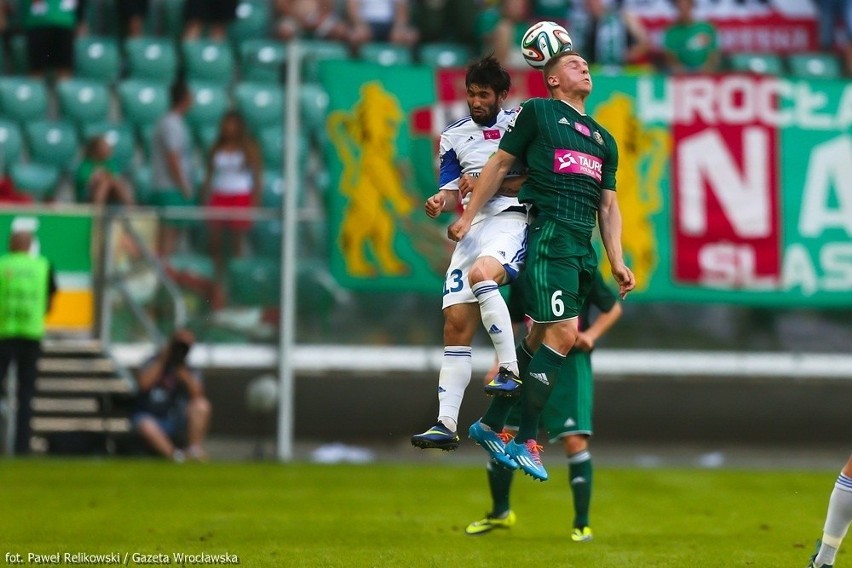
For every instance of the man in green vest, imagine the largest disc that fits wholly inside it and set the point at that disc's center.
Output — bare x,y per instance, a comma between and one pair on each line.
50,27
26,288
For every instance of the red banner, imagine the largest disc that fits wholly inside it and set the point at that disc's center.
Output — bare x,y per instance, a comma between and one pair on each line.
725,181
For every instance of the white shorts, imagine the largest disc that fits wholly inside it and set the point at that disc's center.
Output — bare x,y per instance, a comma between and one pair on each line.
503,237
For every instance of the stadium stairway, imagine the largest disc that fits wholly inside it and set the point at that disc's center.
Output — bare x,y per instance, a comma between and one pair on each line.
82,401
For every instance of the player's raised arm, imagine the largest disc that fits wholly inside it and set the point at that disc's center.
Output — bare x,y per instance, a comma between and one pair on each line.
490,180
609,219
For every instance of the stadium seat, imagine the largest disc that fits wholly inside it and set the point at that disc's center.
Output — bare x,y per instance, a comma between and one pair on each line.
266,238
760,63
19,61
142,102
316,50
52,142
205,136
262,60
386,54
83,101
445,54
23,99
254,281
151,58
165,18
140,177
101,17
10,143
273,189
814,65
119,136
313,107
208,61
209,103
262,105
97,58
253,17
36,180
271,141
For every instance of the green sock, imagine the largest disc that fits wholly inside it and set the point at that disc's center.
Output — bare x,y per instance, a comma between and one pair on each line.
498,410
580,479
538,382
499,481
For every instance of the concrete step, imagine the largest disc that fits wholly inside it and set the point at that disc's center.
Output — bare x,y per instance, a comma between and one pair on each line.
44,425
63,365
87,348
81,385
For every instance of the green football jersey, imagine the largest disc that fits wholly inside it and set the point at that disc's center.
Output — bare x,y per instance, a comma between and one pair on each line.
570,160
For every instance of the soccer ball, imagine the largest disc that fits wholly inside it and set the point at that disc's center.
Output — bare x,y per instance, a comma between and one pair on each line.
542,41
262,394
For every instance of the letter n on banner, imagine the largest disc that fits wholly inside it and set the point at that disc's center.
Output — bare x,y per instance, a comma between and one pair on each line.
725,182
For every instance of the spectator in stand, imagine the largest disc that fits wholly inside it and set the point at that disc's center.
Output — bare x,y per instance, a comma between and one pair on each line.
446,21
380,21
234,182
50,27
172,408
314,19
131,17
609,35
558,11
171,164
501,31
690,46
98,180
27,287
215,14
832,13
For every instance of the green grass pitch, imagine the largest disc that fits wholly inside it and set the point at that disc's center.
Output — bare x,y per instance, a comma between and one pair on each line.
406,515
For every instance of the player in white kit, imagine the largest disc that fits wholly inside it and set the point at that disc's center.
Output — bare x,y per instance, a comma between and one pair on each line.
490,255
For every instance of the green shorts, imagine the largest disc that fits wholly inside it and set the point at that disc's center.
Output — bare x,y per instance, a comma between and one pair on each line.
173,198
559,273
569,409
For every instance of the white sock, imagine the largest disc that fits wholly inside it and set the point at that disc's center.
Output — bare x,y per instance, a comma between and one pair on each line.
456,369
497,322
837,520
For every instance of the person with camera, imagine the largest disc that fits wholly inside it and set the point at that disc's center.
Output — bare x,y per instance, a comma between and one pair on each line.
172,411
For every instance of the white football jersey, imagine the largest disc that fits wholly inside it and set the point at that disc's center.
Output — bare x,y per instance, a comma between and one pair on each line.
465,147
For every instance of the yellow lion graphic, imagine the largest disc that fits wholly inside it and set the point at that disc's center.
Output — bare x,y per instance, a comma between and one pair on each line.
642,157
365,140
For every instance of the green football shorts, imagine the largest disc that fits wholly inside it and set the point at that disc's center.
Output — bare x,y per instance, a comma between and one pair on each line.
559,273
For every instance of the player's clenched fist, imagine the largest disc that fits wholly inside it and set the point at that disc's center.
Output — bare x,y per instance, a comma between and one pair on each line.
459,229
434,206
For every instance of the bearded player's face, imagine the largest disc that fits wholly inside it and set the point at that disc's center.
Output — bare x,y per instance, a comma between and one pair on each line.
483,103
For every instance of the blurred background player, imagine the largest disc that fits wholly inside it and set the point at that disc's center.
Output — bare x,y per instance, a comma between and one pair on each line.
172,408
572,162
837,520
491,255
567,417
27,286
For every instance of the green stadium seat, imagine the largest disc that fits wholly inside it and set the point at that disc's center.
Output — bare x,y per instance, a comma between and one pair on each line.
262,105
208,61
814,65
262,60
273,189
266,238
154,59
445,54
271,141
52,142
313,107
760,63
386,54
143,102
253,17
165,18
101,16
19,63
140,177
97,58
209,102
205,136
254,281
193,264
315,50
23,99
37,180
119,136
11,143
83,101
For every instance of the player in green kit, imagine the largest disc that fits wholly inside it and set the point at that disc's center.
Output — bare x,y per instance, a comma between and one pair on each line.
567,418
571,162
